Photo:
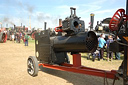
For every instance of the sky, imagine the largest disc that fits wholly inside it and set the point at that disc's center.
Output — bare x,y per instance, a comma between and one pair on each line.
36,12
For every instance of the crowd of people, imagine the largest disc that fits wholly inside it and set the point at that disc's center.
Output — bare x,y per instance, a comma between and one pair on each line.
102,46
19,37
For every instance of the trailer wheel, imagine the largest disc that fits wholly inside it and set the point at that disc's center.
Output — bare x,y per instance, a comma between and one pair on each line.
32,66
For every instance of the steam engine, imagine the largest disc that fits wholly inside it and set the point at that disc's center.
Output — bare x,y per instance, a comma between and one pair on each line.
52,48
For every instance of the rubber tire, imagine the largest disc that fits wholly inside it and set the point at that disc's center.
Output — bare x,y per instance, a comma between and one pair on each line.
35,64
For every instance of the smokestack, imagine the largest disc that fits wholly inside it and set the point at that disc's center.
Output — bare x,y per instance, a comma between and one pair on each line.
14,27
92,21
71,11
71,8
74,12
45,23
24,28
21,24
97,22
60,22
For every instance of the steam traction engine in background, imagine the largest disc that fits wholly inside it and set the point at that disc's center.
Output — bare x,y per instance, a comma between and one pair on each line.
119,26
3,35
51,49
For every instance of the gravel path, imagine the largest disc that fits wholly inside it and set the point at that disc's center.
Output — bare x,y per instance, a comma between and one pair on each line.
13,70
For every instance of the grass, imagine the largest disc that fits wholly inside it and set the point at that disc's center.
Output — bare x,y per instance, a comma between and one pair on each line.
31,41
102,64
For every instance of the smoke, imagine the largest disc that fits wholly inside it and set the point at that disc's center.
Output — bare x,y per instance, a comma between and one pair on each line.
7,20
28,11
50,19
22,10
41,17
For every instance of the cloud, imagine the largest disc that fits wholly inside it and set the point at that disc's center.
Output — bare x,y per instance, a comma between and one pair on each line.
89,9
98,2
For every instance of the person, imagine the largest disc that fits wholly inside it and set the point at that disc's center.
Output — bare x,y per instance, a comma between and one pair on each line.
101,45
16,37
117,54
13,37
26,37
109,53
100,37
96,54
20,36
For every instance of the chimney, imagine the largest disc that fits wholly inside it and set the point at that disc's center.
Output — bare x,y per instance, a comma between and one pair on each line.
97,22
45,23
21,24
91,20
24,28
14,27
60,22
73,15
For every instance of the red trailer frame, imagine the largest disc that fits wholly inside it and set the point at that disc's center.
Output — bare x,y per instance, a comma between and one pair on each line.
78,68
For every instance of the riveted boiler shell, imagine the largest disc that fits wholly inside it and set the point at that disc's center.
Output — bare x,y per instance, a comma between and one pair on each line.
82,42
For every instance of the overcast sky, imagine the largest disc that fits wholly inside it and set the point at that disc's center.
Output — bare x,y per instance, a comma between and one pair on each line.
20,11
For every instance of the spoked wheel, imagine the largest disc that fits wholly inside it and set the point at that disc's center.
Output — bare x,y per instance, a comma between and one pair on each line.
33,35
32,66
117,19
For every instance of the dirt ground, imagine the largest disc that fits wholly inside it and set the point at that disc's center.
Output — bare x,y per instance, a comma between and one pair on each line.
13,70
